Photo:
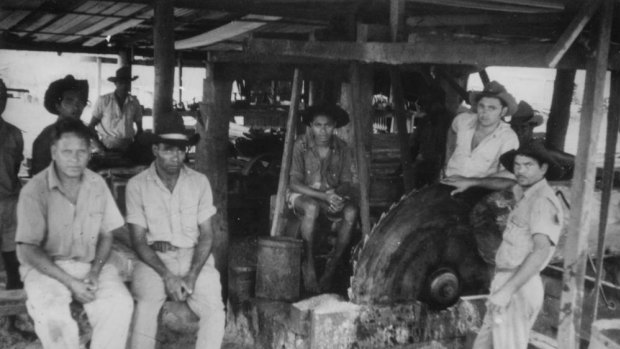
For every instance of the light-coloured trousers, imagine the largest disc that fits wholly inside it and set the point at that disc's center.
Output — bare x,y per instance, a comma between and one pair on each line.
206,300
48,305
511,329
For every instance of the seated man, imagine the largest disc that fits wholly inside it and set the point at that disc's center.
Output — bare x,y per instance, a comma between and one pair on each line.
66,98
320,182
476,141
65,219
169,210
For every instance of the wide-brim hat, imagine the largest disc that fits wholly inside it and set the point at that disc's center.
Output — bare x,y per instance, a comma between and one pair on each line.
123,74
339,115
497,90
534,149
526,115
171,130
55,90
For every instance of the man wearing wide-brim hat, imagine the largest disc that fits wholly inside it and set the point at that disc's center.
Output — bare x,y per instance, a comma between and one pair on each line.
115,113
169,210
478,138
320,183
66,98
524,120
528,242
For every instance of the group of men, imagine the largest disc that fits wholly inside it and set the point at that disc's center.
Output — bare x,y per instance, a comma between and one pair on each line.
59,232
66,216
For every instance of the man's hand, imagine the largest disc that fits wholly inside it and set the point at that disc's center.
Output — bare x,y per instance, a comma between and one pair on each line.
335,201
189,283
174,287
92,280
460,183
499,300
82,292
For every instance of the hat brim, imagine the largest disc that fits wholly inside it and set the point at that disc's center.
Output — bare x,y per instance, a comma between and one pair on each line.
535,151
510,101
178,139
115,79
56,89
339,115
535,120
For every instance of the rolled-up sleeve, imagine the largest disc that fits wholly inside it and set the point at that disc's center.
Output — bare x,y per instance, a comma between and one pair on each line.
112,218
31,219
134,204
546,219
205,205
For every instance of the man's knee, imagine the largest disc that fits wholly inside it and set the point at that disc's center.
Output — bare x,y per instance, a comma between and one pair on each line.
350,213
309,207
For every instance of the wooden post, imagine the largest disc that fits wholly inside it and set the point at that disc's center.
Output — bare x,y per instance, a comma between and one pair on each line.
180,67
398,100
484,77
613,124
582,188
98,77
163,44
557,124
358,140
287,155
125,57
212,155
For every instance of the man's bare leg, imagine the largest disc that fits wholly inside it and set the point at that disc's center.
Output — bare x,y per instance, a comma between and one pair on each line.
344,238
310,209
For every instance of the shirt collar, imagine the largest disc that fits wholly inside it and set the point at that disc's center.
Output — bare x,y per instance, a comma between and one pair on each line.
152,172
535,188
54,182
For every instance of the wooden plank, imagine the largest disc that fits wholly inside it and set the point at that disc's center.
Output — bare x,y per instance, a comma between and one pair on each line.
488,6
482,19
582,192
69,20
613,126
107,22
553,4
12,19
570,34
277,225
398,100
397,19
559,116
228,31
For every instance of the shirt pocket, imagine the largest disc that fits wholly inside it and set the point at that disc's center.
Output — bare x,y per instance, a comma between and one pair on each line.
517,238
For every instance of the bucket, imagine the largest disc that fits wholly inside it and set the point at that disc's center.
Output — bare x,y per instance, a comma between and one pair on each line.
241,283
278,268
605,334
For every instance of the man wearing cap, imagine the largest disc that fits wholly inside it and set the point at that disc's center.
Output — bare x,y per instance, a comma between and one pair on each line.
528,243
65,220
11,156
476,141
169,210
115,113
320,182
66,98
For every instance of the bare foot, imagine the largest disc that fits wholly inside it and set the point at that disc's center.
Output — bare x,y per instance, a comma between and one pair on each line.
309,275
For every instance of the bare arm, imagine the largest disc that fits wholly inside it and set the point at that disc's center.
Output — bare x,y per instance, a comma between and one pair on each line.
298,187
463,183
201,254
102,253
530,267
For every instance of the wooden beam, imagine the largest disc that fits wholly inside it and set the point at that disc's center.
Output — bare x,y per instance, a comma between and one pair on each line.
513,6
613,126
398,100
163,34
277,225
559,116
582,188
570,34
397,19
482,19
425,50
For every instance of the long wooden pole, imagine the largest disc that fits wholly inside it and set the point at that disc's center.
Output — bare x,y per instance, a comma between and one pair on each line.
583,187
557,124
287,155
613,124
398,100
163,45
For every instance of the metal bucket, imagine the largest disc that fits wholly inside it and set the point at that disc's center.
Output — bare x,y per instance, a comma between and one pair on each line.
278,268
605,334
241,283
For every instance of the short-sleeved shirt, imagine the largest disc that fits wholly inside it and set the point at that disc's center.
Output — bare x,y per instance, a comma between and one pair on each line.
321,174
538,212
484,159
11,156
170,216
116,127
41,153
46,218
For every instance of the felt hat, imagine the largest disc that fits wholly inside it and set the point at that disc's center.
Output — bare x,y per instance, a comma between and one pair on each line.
55,90
536,150
497,90
525,114
123,74
339,115
171,130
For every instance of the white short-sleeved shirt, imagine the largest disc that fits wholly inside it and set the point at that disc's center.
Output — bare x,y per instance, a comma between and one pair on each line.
170,216
484,159
538,212
116,127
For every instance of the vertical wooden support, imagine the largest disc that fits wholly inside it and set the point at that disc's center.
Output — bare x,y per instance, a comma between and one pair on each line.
397,19
287,155
125,57
361,155
613,125
98,76
583,186
212,155
557,124
180,67
163,44
398,100
484,77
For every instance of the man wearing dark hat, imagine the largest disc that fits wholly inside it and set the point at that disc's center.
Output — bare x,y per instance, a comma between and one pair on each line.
528,243
524,120
169,210
115,113
66,217
320,182
66,98
477,139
